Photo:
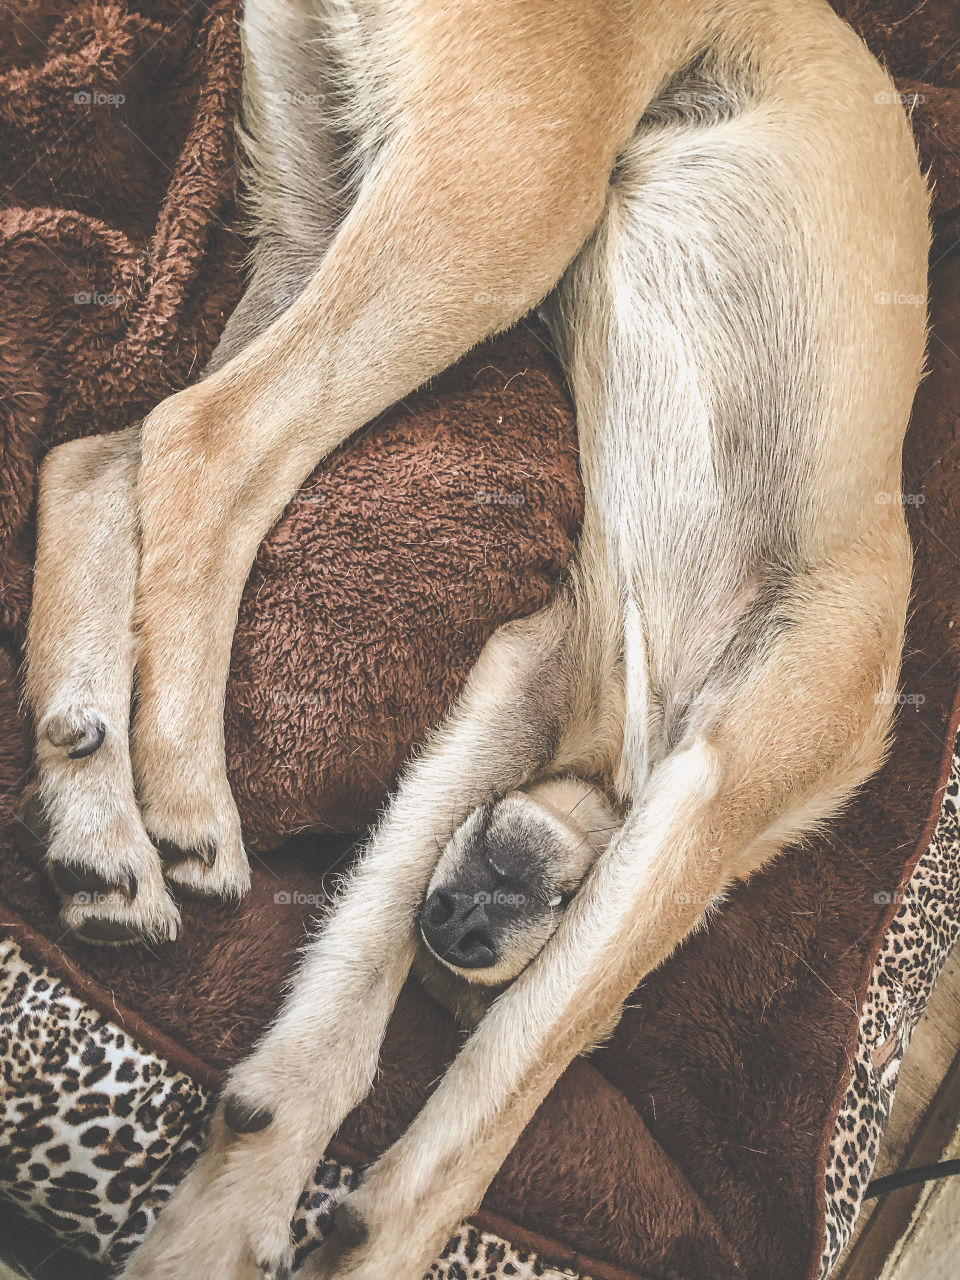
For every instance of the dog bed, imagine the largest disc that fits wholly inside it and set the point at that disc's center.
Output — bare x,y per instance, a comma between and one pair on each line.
729,1127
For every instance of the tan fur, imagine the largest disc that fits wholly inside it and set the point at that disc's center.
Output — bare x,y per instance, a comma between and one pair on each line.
716,195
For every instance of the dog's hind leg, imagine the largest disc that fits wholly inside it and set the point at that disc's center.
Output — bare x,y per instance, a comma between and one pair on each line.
310,116
417,273
306,158
319,1059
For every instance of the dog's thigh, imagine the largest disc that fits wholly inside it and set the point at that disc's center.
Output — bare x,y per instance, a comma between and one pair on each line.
310,132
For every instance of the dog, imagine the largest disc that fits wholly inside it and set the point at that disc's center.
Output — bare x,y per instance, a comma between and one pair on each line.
713,203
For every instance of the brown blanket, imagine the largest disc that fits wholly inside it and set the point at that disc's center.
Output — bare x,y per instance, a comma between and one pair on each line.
693,1144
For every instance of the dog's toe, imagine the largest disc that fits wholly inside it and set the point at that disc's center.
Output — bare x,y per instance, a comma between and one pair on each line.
207,870
245,1117
115,907
172,853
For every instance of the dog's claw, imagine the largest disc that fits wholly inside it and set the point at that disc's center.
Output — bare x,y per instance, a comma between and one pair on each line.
274,1271
205,852
82,735
71,878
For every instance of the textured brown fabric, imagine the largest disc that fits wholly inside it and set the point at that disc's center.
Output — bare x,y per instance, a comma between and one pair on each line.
692,1144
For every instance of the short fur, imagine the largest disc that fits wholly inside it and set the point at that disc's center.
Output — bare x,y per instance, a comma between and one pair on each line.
708,198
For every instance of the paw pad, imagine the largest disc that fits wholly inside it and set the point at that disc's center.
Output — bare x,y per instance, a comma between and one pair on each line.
350,1225
102,929
81,734
244,1117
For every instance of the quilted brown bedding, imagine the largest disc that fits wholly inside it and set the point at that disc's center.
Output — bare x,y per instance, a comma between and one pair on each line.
694,1143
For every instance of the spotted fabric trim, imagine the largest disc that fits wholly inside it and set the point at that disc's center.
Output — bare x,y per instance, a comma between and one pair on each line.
915,949
96,1132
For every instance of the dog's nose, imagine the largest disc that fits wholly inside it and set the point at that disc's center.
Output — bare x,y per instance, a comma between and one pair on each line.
455,926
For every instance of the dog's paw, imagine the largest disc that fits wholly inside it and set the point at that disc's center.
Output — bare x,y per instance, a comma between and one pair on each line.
375,1233
82,825
197,832
203,859
111,886
230,1218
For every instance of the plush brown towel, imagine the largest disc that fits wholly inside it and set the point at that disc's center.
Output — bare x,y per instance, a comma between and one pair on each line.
693,1144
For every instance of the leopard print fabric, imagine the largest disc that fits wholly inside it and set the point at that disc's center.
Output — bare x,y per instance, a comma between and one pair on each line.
88,1120
915,949
96,1132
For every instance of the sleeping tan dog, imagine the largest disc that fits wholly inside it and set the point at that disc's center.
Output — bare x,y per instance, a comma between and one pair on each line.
718,205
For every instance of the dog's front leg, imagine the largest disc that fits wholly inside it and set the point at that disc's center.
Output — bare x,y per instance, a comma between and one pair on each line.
641,898
284,1103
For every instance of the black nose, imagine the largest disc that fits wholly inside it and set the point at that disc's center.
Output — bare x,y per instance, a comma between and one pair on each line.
455,926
